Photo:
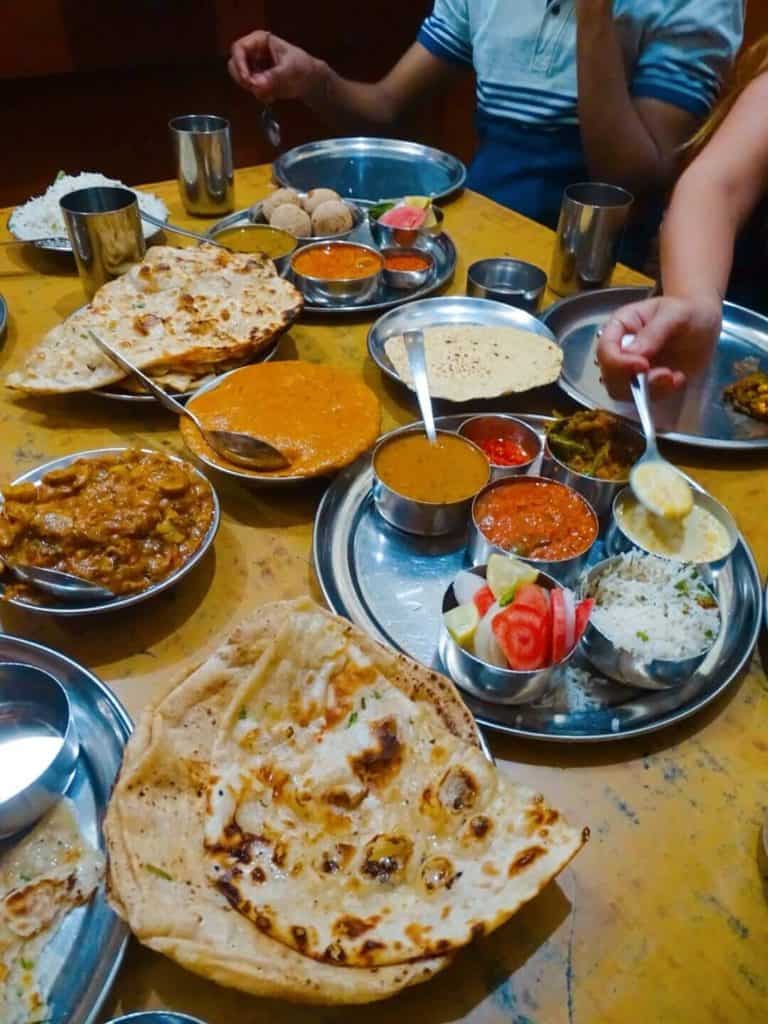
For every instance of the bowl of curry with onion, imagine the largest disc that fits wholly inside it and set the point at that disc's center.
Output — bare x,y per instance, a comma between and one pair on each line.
329,273
129,519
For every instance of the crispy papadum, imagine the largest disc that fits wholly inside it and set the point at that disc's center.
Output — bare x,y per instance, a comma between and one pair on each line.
177,310
165,882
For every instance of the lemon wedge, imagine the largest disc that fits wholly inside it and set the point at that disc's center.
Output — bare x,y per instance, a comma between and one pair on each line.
504,575
461,622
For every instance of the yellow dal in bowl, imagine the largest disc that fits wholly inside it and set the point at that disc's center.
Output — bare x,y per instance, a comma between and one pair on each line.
451,470
698,537
257,238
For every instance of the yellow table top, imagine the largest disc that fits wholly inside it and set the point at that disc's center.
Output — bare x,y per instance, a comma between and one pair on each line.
661,918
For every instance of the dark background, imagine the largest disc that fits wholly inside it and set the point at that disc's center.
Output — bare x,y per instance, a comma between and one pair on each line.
87,85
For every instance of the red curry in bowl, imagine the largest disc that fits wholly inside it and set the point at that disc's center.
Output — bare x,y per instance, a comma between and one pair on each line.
536,518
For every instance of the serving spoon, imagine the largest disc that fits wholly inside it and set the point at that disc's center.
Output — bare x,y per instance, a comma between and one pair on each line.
655,482
63,585
176,230
417,362
242,449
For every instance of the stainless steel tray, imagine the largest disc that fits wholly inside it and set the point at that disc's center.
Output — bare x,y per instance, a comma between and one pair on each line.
85,953
440,246
447,309
392,584
150,233
3,316
369,169
128,599
697,416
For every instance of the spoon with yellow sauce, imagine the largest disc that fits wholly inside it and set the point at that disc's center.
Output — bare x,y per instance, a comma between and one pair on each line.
655,482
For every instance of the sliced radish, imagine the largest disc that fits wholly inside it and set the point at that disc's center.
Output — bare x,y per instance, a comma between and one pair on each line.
569,603
559,649
483,600
583,611
486,645
523,634
466,585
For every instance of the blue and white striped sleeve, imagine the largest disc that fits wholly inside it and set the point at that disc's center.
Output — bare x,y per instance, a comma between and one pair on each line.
688,52
446,32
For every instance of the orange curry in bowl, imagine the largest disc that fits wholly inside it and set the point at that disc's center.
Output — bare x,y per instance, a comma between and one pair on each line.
320,417
536,518
337,261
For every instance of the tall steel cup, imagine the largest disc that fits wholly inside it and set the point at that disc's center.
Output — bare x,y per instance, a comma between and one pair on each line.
104,227
589,231
204,163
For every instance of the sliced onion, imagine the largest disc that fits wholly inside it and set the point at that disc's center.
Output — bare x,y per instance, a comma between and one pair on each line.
569,606
466,585
486,645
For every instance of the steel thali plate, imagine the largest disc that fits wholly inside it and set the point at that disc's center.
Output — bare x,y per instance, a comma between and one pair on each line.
696,416
368,169
83,957
440,247
392,584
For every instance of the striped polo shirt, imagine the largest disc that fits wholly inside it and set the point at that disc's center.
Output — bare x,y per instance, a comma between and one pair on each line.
524,52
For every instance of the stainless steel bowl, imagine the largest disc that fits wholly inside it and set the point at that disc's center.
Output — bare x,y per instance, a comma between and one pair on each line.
126,600
618,540
156,1017
489,426
38,745
488,682
624,667
599,493
254,232
515,282
386,237
351,291
407,280
424,518
256,216
564,570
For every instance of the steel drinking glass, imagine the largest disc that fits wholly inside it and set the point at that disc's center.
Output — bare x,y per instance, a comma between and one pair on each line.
204,163
104,227
592,219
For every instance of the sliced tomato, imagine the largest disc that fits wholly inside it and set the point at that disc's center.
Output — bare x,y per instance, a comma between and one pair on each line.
559,628
483,599
523,636
533,596
583,611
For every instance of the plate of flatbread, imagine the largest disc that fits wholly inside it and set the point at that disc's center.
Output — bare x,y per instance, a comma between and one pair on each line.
310,816
182,315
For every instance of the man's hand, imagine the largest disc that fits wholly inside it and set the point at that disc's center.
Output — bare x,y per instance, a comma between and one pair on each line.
273,69
673,338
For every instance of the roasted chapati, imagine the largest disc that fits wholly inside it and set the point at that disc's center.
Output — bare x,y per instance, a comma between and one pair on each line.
175,312
467,361
163,877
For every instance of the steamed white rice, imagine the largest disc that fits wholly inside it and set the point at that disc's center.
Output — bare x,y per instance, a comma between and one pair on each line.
648,606
40,217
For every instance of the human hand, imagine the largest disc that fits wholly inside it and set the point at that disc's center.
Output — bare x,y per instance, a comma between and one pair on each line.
673,338
273,69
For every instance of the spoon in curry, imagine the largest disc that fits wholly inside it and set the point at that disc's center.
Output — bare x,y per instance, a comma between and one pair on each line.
242,449
65,586
417,363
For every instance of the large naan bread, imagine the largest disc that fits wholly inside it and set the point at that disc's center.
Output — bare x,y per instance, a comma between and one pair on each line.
467,361
182,311
199,748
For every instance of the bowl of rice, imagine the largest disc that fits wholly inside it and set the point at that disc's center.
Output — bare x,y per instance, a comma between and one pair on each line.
654,620
40,216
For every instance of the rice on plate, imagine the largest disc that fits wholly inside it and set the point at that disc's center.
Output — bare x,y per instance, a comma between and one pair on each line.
41,217
654,608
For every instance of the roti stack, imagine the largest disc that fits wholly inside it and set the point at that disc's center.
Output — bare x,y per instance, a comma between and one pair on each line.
181,314
466,361
310,816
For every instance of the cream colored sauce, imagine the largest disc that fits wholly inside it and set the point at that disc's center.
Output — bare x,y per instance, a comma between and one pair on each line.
698,537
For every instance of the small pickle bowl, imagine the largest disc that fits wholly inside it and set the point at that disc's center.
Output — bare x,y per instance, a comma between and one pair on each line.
618,539
501,279
489,682
278,245
407,280
38,745
387,237
423,518
625,667
565,570
598,492
328,291
492,426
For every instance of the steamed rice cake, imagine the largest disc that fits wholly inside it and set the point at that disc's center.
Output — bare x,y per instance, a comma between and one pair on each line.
468,361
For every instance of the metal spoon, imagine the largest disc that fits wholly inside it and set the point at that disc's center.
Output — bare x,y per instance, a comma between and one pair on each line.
63,585
271,126
242,449
417,361
655,482
175,230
